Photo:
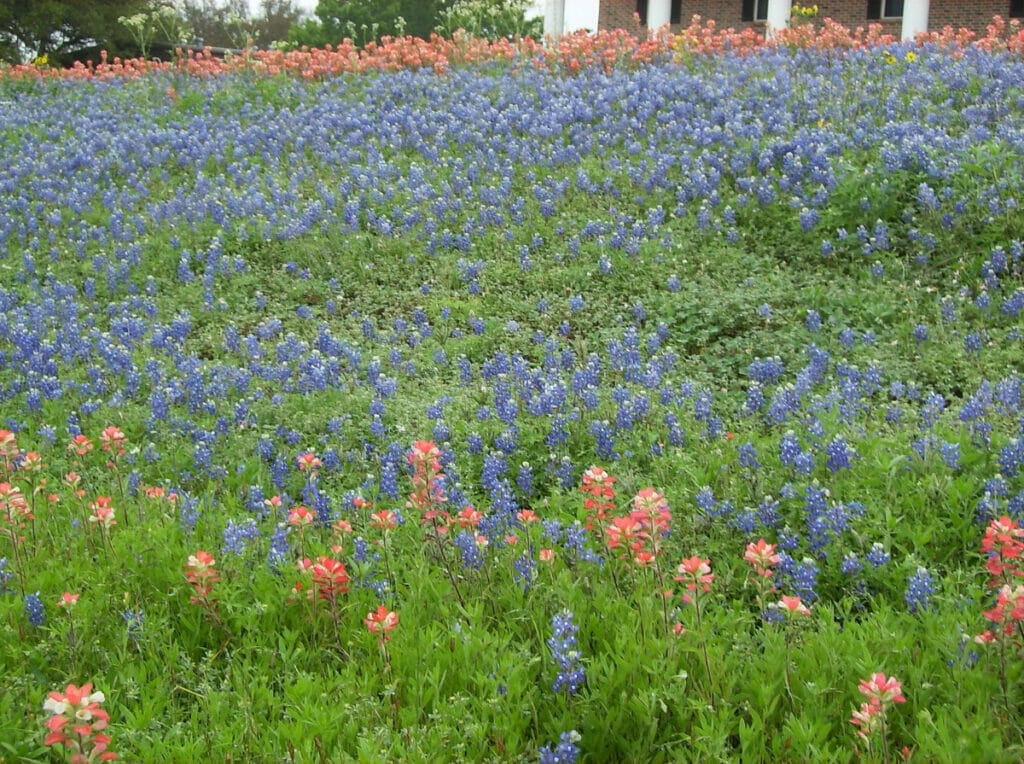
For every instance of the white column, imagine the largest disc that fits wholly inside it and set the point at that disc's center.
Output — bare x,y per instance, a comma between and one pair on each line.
553,13
558,17
581,14
658,13
915,18
779,12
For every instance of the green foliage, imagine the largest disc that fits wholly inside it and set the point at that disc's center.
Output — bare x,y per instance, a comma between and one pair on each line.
62,29
490,19
161,23
364,20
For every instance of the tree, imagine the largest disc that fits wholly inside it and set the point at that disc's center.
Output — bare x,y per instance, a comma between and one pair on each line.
62,30
492,19
228,23
276,18
365,20
219,23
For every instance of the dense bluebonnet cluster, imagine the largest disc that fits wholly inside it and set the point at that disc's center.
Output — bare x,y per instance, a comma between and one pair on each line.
238,534
459,171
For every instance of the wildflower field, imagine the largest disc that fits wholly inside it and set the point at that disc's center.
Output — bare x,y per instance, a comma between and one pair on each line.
463,402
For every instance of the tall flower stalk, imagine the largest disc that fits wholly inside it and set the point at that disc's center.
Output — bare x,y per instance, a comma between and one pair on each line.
695,574
428,497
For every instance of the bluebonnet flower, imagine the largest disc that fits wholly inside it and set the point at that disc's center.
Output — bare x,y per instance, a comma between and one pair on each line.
236,535
265,449
813,321
441,432
604,439
934,405
1008,394
676,435
784,404
133,620
851,564
755,402
748,456
469,550
361,550
877,556
768,512
1011,457
551,530
808,219
5,576
280,470
188,511
277,556
34,609
575,544
566,752
524,480
972,343
706,502
838,454
565,654
766,371
744,521
920,333
1014,304
525,571
921,446
804,578
920,588
950,454
564,471
48,433
947,310
792,455
495,465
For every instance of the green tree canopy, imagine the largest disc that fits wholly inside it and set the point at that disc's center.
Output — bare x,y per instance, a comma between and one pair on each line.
62,29
363,20
229,23
492,19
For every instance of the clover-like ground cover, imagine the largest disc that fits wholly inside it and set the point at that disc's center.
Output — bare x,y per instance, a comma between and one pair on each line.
633,414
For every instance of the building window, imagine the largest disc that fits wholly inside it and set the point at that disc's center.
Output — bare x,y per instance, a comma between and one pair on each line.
1016,9
675,11
755,10
885,9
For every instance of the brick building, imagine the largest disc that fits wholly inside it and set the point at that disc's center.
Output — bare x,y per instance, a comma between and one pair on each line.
971,14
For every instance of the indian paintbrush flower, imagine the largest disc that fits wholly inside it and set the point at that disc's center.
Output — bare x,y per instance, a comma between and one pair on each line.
76,721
